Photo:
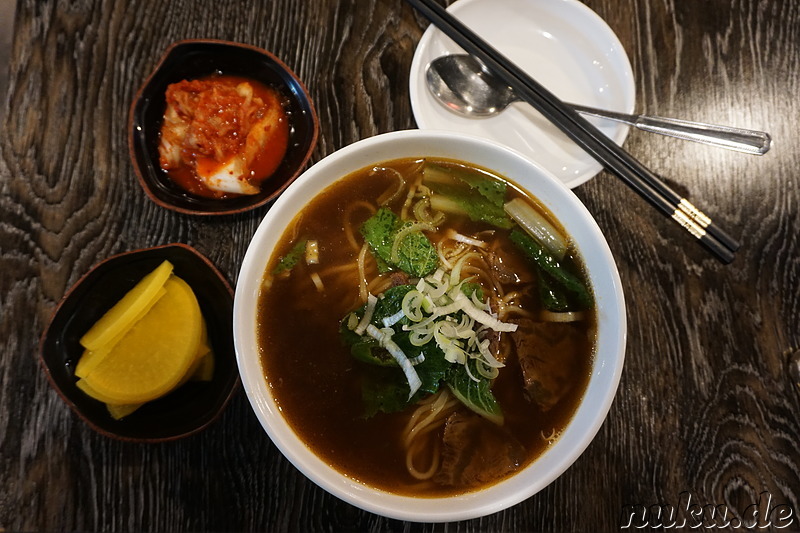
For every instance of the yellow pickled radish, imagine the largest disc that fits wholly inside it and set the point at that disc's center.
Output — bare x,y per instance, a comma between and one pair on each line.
204,370
118,411
91,358
155,355
200,370
125,312
202,349
89,391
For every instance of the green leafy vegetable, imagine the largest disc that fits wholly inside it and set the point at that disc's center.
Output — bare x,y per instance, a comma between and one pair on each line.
477,395
561,281
468,193
379,230
386,389
383,390
365,348
470,287
288,261
415,255
493,190
553,297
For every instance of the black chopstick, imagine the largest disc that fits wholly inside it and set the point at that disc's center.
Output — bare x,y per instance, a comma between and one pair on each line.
592,140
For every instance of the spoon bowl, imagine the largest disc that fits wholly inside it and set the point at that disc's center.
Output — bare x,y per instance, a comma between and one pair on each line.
465,86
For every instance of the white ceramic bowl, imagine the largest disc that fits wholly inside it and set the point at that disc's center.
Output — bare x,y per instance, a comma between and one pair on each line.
602,272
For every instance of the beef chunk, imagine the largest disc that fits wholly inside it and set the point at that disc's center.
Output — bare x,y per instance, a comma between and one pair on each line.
476,451
547,353
399,277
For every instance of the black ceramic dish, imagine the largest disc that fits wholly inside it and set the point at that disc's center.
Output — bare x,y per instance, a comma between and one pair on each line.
188,409
192,59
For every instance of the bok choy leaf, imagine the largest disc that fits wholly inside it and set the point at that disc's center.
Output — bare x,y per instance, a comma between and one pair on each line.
562,283
414,253
467,193
477,395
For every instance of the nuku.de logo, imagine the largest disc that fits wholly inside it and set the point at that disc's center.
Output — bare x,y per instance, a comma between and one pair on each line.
759,515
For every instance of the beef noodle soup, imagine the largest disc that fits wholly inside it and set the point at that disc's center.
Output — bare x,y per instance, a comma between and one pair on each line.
426,327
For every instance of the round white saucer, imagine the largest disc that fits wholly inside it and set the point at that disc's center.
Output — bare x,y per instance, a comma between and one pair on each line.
562,44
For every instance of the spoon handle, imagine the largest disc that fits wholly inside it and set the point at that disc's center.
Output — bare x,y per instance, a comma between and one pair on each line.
741,140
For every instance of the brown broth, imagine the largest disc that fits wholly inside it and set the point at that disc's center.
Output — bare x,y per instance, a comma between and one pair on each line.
313,377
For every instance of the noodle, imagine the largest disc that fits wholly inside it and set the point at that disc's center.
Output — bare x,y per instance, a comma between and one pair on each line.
511,296
344,268
427,419
379,284
451,251
317,281
413,192
390,195
490,280
362,277
348,226
506,310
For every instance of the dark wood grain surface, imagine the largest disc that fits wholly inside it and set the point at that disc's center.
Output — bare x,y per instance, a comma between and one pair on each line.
705,406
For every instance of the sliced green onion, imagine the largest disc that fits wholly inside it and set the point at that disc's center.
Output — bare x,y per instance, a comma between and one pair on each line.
414,382
469,373
422,212
389,321
488,358
427,304
489,372
412,305
372,300
352,321
482,316
478,303
420,337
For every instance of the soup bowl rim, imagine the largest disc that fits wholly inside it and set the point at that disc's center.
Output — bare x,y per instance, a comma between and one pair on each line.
601,268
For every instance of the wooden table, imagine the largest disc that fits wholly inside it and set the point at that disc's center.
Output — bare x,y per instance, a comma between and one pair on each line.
705,408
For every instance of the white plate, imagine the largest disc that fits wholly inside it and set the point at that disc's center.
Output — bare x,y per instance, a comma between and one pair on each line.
562,44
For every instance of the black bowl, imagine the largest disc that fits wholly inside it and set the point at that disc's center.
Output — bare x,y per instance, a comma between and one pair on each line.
186,410
192,59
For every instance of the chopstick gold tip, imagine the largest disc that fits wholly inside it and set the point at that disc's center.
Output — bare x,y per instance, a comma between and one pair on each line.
689,223
693,212
708,240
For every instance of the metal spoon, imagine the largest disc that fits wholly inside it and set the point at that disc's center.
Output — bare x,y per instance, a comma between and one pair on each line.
462,84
